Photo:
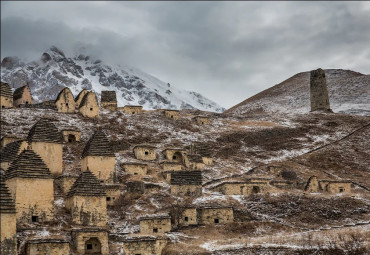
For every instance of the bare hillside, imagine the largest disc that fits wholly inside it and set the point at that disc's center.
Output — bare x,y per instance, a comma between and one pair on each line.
349,92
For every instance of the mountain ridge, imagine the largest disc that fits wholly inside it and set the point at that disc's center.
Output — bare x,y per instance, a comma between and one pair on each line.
54,71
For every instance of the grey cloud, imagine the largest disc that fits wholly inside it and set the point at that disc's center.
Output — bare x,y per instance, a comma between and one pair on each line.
227,51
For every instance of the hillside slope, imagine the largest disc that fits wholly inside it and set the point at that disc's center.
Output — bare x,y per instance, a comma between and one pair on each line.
349,92
55,70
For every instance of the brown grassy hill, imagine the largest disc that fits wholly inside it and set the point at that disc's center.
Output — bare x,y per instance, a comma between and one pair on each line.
349,92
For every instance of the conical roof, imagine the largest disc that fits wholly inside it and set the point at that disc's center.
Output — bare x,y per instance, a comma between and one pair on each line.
7,204
98,145
87,185
44,131
18,93
5,90
10,151
66,90
28,164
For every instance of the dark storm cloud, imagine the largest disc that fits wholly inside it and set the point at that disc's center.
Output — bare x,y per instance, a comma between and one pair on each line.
227,51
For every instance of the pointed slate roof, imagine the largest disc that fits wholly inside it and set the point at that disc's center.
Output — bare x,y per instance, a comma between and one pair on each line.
7,204
87,185
5,90
18,93
108,96
98,145
65,90
28,164
10,151
44,131
186,178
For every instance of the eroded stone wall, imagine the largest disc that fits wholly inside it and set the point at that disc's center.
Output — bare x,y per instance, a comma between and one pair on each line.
8,233
51,154
155,226
52,248
102,167
145,153
186,190
216,215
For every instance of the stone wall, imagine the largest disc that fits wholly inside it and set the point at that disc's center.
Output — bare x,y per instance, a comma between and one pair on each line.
155,225
207,161
88,210
47,247
33,197
113,193
172,114
186,190
65,101
25,99
335,187
202,120
215,215
89,108
6,102
132,109
196,165
102,167
95,239
145,153
70,136
149,246
112,106
8,233
172,166
135,169
189,217
242,188
51,154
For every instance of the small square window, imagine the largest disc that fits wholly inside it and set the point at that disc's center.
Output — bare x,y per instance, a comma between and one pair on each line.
108,198
133,112
186,218
91,109
155,230
66,104
135,173
341,190
147,153
217,221
89,246
35,218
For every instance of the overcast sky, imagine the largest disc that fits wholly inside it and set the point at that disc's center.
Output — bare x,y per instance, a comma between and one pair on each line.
227,51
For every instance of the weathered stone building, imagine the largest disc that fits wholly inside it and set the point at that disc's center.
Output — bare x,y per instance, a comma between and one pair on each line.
210,215
22,96
132,109
196,162
65,101
176,155
145,152
71,135
172,114
99,158
90,241
10,152
189,217
242,187
135,168
47,246
319,91
330,186
31,185
109,100
186,183
202,120
79,97
45,139
6,95
89,106
8,220
144,245
86,201
155,224
113,192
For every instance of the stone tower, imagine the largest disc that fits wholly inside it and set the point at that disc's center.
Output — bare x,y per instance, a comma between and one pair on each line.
319,91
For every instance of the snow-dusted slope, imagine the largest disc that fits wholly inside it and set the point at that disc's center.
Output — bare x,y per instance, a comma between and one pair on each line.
54,71
349,92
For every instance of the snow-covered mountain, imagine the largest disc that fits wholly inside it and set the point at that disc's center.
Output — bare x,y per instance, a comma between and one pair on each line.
54,70
349,92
